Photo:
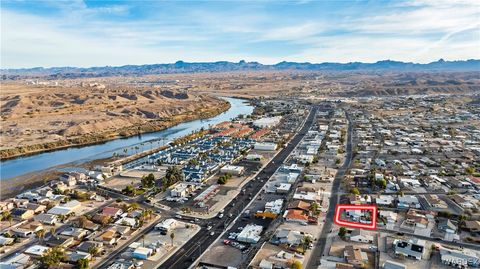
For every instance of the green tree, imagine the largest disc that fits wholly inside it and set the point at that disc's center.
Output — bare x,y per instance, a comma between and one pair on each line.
306,241
129,190
470,170
342,232
314,207
83,264
93,251
355,191
52,257
382,183
172,176
172,236
295,264
148,181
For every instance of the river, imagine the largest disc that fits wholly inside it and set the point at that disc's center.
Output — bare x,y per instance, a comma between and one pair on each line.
23,165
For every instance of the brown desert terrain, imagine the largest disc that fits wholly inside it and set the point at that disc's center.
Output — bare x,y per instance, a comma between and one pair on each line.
40,114
37,118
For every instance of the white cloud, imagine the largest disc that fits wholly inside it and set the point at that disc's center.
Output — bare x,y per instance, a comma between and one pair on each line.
418,31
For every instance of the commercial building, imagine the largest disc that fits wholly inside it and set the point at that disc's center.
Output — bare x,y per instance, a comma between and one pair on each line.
267,122
165,226
265,146
232,169
250,234
142,253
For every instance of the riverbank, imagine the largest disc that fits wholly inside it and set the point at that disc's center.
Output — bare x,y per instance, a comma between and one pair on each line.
147,127
13,186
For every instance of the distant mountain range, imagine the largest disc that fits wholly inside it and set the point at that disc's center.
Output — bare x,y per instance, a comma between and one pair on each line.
224,66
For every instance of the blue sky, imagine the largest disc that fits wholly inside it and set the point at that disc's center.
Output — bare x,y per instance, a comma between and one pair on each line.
98,33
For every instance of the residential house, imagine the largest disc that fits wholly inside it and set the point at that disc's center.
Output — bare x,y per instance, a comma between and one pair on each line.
446,225
408,201
108,237
300,205
414,248
19,261
74,256
22,232
390,217
461,201
289,237
384,200
295,215
22,213
91,226
69,180
85,246
65,209
76,233
355,256
36,250
44,218
435,202
472,226
37,209
6,205
112,211
361,236
59,241
5,241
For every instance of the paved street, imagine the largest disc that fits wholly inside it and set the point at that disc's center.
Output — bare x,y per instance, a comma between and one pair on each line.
319,248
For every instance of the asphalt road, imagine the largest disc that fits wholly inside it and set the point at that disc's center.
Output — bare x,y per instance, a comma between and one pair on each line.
185,256
319,248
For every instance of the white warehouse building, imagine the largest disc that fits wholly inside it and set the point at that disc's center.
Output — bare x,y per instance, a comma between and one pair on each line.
232,169
266,146
267,122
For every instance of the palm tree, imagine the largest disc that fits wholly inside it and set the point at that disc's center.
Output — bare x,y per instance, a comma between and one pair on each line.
149,213
53,230
6,215
143,240
306,241
93,251
40,234
314,208
172,236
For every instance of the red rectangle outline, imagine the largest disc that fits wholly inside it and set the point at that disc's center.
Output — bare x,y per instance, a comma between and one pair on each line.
352,224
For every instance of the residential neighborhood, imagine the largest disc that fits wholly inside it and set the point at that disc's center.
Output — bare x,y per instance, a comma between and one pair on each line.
260,191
